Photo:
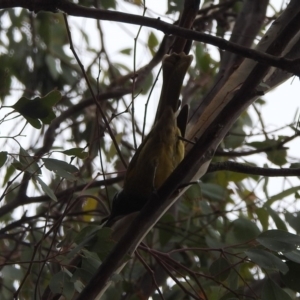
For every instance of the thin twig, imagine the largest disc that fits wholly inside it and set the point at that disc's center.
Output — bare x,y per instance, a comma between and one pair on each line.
92,92
250,170
151,272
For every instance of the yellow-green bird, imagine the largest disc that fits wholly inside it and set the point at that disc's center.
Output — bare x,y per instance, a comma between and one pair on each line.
162,150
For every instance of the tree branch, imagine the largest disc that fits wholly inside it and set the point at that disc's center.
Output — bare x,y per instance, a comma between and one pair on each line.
247,169
72,9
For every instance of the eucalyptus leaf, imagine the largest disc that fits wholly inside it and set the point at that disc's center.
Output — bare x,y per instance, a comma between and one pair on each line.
267,260
279,240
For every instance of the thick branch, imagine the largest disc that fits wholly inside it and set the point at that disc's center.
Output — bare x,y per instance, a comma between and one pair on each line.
245,30
250,170
72,9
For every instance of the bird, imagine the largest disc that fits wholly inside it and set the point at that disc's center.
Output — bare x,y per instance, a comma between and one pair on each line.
162,149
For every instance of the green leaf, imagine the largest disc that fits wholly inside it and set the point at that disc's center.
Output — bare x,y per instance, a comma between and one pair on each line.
46,188
68,75
96,239
3,158
246,119
279,241
61,168
263,217
89,265
277,157
272,290
244,230
205,207
86,271
85,233
293,256
91,262
67,239
203,58
9,171
220,269
51,98
126,51
85,238
112,152
233,278
147,83
49,101
174,6
78,152
103,243
79,286
278,222
213,191
267,260
152,43
191,196
38,108
11,272
292,278
263,144
17,165
166,231
293,219
236,136
33,122
51,64
31,108
108,4
60,284
282,195
28,163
